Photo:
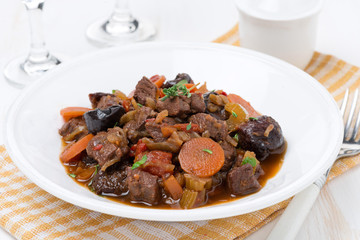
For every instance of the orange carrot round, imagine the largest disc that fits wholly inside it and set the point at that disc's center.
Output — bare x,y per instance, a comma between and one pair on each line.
202,157
237,99
71,112
75,149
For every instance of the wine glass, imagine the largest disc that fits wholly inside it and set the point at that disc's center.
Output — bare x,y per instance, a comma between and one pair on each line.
25,69
120,28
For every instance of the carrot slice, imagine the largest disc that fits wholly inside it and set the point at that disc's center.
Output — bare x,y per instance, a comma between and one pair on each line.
237,99
202,157
71,112
158,80
75,149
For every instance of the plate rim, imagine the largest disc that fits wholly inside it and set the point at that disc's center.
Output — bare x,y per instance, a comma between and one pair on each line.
196,214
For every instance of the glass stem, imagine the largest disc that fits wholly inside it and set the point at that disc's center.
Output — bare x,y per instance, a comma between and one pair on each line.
38,52
122,12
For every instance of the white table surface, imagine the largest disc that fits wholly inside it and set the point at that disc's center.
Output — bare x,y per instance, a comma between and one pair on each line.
336,213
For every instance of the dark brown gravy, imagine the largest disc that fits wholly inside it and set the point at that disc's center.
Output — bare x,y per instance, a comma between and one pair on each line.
217,195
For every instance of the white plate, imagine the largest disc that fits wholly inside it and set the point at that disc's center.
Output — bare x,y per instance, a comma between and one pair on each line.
308,115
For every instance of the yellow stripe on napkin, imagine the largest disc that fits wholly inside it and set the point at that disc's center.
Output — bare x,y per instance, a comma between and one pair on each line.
28,212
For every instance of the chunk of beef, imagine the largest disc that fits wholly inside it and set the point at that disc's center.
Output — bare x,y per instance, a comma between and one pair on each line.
143,186
135,129
217,128
230,155
242,180
179,77
262,136
108,147
181,106
103,100
110,182
197,104
144,89
154,129
74,129
238,163
108,101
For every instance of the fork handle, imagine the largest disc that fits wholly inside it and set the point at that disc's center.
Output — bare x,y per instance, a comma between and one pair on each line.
295,214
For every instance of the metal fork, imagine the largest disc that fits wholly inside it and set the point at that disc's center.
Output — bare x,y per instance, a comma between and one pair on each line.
293,217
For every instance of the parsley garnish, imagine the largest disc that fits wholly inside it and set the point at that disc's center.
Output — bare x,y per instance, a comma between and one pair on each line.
236,137
188,127
72,175
234,114
139,163
96,169
207,150
113,91
176,90
116,124
140,105
250,160
253,118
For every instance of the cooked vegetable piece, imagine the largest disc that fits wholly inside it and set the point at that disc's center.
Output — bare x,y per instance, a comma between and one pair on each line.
238,115
172,144
237,99
197,184
71,112
173,187
195,161
119,94
158,80
69,153
157,163
188,199
101,119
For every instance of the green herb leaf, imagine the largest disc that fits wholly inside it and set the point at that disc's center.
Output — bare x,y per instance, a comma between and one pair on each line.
253,118
96,169
140,105
116,124
208,151
113,91
181,83
188,127
250,160
139,163
234,114
72,175
236,137
176,90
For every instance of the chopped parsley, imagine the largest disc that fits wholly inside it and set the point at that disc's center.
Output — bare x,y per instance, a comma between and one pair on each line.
236,137
139,163
253,118
140,105
188,127
72,175
208,151
176,90
114,91
250,160
234,114
116,124
96,169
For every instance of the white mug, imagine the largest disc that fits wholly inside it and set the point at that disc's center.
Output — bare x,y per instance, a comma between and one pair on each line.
282,28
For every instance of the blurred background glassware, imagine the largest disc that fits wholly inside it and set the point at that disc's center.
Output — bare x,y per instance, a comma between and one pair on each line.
23,70
120,28
281,28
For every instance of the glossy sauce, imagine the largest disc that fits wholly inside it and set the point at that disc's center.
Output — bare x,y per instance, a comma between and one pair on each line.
216,195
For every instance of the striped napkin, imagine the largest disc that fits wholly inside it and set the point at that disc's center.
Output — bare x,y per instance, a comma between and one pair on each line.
28,212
